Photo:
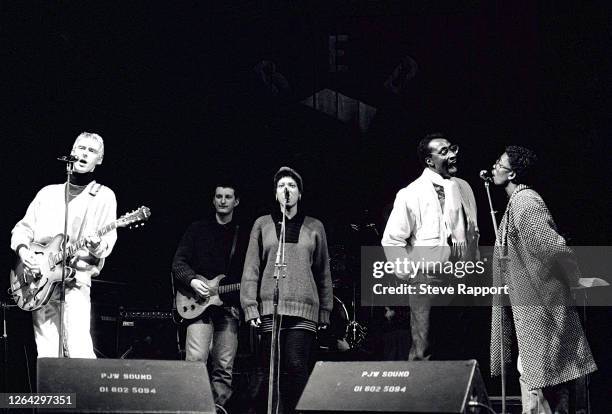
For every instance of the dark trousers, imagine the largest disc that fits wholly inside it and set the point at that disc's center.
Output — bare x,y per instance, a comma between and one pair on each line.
439,329
295,349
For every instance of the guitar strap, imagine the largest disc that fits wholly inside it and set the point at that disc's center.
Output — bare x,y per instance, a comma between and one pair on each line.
231,255
233,310
94,187
93,190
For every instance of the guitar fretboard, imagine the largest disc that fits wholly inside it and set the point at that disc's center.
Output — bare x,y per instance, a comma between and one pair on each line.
233,287
72,249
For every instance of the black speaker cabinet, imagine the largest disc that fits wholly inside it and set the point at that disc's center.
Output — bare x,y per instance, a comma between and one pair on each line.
133,333
394,387
104,329
122,386
146,334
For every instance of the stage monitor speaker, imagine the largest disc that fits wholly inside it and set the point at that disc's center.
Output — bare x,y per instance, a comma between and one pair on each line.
394,387
121,386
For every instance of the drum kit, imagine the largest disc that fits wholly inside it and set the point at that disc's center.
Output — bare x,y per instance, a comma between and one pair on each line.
345,332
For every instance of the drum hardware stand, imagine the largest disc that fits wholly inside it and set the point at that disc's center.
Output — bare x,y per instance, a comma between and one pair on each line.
358,331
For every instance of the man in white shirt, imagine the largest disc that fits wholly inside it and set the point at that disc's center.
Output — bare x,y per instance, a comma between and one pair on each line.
433,219
91,206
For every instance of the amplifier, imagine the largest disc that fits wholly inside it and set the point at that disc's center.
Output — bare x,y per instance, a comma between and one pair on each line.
133,333
146,334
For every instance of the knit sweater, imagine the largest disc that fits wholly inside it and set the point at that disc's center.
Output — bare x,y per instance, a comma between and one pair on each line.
306,291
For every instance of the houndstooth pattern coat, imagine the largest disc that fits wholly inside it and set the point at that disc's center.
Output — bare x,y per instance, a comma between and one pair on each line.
539,272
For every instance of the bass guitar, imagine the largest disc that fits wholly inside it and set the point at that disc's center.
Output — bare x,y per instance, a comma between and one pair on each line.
31,291
190,305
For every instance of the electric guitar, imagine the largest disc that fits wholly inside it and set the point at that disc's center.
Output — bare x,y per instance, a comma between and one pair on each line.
190,305
31,291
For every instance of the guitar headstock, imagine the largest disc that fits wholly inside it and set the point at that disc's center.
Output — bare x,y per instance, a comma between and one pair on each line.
134,218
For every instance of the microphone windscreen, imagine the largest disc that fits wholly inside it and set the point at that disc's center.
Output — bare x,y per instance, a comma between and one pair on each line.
485,175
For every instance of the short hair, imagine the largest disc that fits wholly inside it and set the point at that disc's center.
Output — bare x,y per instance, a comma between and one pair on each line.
226,184
96,137
523,162
423,151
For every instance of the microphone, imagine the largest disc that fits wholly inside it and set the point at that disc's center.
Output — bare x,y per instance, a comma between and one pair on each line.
286,196
68,158
486,175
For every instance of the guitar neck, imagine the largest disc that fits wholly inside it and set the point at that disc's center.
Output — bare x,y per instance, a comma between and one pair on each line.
233,287
72,249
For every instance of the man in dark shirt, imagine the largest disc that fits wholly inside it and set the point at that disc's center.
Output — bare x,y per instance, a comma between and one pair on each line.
211,248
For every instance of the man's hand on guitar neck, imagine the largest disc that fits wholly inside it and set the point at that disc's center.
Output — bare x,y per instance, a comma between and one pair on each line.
95,245
200,287
29,259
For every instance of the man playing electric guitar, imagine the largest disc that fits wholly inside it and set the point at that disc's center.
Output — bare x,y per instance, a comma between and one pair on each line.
209,248
91,206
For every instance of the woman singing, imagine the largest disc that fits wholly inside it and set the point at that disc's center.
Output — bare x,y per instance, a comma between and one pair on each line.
305,294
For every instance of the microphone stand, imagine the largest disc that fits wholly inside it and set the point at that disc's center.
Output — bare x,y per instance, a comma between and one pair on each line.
280,270
69,167
501,316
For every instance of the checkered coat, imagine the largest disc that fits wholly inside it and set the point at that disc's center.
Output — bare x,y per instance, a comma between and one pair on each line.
539,273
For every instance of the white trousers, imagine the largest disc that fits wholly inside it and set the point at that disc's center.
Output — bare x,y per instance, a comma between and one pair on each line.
77,314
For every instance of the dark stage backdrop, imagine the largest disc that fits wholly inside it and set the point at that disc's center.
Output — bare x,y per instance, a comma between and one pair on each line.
173,91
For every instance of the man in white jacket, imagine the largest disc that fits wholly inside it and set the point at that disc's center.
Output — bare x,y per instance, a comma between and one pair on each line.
91,206
433,220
